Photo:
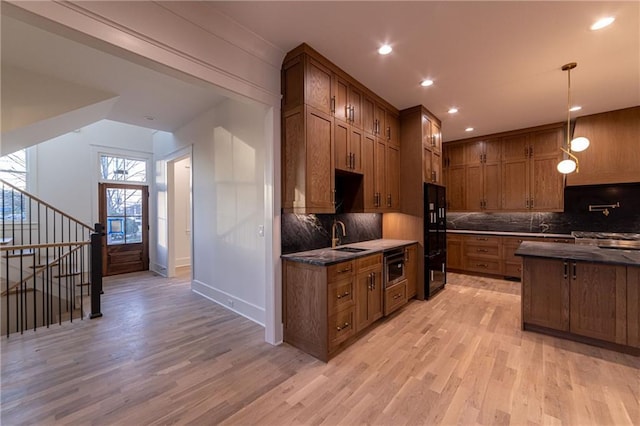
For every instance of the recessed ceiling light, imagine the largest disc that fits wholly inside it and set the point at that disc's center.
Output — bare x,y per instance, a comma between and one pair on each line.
452,110
575,108
469,129
603,22
385,49
426,83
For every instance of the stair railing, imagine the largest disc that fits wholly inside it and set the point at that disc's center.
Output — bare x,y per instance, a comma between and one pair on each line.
51,262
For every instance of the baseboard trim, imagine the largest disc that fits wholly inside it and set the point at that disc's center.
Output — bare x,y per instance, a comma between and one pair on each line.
230,302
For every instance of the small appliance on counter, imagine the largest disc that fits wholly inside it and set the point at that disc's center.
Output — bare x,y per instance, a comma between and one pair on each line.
435,239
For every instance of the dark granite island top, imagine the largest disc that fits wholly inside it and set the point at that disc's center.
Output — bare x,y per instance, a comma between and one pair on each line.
585,253
328,256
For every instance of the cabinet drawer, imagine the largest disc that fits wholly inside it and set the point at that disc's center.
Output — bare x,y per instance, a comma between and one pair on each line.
482,240
395,297
368,262
489,250
340,295
482,265
340,271
341,327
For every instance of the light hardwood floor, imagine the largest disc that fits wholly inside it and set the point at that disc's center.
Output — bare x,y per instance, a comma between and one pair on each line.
163,355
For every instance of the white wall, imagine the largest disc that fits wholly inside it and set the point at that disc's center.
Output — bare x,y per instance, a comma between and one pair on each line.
66,170
193,38
228,161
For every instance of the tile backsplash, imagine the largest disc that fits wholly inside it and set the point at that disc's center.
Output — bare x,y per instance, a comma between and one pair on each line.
313,231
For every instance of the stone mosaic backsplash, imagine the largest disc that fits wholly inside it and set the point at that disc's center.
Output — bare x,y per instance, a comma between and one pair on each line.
313,231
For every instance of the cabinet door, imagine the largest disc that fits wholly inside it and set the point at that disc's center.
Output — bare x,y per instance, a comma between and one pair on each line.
546,187
454,155
319,164
455,188
380,120
436,167
427,171
318,86
473,187
341,102
436,137
454,251
342,158
492,185
368,172
411,270
545,293
380,174
599,301
356,140
515,173
393,178
393,129
473,152
368,115
633,306
355,102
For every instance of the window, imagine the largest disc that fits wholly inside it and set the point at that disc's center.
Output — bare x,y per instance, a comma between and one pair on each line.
121,169
13,170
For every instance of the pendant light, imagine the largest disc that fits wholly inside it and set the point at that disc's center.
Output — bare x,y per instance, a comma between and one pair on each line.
569,165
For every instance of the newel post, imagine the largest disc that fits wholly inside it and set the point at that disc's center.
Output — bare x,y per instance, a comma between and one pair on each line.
96,270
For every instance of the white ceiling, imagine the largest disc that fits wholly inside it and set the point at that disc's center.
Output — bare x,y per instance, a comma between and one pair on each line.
498,62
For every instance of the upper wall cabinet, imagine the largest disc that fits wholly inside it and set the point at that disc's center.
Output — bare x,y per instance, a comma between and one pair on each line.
514,171
331,123
614,153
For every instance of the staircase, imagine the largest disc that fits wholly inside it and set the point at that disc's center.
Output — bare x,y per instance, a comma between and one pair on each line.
51,264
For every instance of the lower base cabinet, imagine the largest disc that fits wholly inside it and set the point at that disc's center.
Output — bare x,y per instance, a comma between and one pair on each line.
582,299
326,307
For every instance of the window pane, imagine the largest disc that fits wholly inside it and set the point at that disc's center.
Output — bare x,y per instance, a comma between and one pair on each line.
123,169
13,168
133,230
115,202
115,230
133,202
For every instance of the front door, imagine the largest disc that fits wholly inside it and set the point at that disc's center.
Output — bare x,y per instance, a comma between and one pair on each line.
124,215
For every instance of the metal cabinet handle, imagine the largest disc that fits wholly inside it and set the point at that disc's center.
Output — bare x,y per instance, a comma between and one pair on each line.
574,270
531,203
397,296
526,151
566,272
389,133
344,270
343,327
482,239
389,200
340,296
482,250
443,266
526,202
482,265
333,104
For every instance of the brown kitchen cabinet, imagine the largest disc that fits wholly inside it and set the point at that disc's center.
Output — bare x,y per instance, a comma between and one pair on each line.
545,293
482,254
392,177
530,179
454,251
512,266
411,270
599,301
483,175
369,291
633,306
307,168
454,176
348,147
325,307
395,297
613,155
392,133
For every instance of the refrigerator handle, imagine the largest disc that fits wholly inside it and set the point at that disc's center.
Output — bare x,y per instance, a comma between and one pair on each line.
443,266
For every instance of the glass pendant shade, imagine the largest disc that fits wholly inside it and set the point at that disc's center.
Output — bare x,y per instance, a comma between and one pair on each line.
567,166
579,144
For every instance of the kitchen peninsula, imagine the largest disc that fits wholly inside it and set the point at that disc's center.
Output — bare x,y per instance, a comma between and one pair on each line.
584,293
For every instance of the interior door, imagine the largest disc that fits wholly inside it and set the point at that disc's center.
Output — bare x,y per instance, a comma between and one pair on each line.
125,215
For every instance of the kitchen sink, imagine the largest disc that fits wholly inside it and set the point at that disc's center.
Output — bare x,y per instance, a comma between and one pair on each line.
350,249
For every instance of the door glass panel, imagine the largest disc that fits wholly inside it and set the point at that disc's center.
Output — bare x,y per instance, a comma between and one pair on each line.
124,216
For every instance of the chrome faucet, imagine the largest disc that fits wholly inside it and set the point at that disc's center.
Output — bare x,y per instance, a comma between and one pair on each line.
334,239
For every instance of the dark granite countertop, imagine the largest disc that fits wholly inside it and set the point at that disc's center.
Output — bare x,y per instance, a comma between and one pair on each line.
328,256
586,253
509,234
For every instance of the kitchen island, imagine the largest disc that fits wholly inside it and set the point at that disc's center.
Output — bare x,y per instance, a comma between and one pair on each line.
584,293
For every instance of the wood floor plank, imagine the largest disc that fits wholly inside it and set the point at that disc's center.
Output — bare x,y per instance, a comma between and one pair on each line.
164,355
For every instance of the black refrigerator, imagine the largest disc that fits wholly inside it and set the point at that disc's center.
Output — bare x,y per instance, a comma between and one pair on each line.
435,239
